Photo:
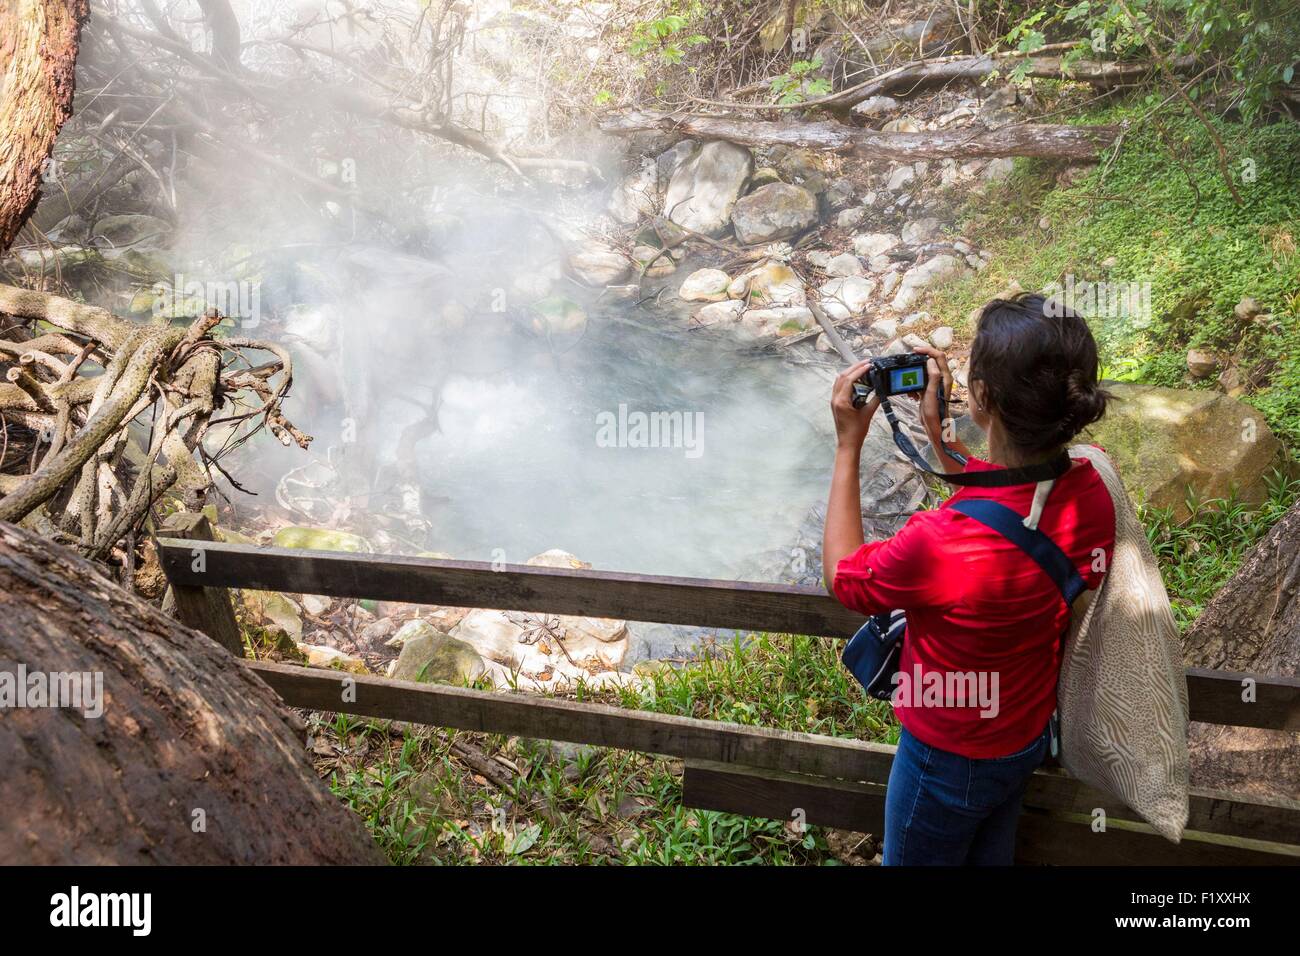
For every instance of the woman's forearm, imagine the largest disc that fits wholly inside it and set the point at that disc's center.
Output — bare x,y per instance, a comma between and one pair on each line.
843,533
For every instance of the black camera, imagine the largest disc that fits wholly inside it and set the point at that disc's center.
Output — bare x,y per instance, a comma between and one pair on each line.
891,375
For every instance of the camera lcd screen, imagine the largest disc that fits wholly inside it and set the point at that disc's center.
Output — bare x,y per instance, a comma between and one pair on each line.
902,380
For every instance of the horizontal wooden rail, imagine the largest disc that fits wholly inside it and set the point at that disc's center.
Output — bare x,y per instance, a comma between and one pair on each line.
530,715
755,770
1214,696
738,605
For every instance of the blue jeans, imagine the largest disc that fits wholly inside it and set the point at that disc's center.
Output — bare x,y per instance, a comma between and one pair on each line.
942,809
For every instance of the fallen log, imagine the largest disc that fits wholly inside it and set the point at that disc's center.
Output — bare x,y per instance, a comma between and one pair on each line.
166,750
927,74
1047,141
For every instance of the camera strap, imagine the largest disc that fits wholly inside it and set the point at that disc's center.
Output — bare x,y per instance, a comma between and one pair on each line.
996,478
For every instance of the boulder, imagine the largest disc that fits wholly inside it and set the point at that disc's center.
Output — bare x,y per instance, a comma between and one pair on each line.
776,211
435,657
841,298
925,274
1167,441
705,285
595,264
1246,309
704,189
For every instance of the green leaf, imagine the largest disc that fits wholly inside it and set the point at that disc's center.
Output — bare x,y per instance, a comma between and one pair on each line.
523,840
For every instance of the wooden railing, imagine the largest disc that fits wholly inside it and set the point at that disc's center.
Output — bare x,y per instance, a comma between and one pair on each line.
750,770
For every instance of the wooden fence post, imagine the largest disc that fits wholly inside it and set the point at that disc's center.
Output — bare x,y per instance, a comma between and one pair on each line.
205,609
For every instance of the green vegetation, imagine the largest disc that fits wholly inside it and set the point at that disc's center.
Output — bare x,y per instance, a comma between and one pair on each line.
1160,215
563,804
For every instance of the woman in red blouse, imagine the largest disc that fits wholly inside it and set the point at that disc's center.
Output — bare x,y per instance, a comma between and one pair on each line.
980,612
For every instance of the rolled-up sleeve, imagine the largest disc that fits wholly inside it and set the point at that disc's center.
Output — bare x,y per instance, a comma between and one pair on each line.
899,572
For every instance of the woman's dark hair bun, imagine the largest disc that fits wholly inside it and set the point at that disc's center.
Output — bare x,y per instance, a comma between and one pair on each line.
1038,362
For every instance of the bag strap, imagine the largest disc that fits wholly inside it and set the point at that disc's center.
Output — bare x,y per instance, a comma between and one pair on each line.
1045,552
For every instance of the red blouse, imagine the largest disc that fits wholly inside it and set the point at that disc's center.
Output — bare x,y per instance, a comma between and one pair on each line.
984,621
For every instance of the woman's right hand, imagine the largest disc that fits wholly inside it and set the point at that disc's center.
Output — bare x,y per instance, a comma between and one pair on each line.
851,424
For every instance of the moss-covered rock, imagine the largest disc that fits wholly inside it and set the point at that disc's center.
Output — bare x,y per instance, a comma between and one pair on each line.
1169,441
434,657
320,539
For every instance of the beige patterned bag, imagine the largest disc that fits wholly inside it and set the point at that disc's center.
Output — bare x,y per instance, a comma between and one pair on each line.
1123,689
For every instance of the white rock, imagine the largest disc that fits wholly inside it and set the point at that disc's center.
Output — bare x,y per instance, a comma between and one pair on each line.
846,296
637,195
705,285
999,169
845,264
819,258
941,338
557,558
885,328
873,244
849,218
913,341
596,264
726,311
904,124
766,324
910,320
962,246
876,106
899,178
925,274
921,231
771,284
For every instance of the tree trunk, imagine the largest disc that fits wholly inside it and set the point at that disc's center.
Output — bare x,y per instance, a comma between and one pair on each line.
1253,625
38,48
1022,139
193,759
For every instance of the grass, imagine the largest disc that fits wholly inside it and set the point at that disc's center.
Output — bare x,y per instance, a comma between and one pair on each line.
563,804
